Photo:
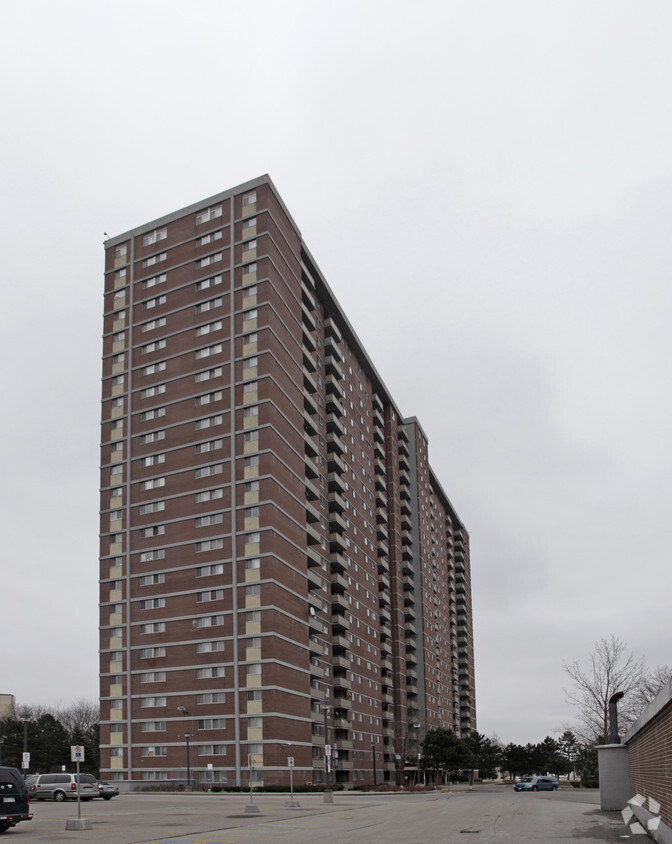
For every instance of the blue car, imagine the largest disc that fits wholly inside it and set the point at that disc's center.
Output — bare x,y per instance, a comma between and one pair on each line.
536,784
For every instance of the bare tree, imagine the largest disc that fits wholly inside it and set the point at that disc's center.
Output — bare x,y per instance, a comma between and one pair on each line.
609,669
652,682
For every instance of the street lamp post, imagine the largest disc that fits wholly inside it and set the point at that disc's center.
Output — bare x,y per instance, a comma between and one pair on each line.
187,737
373,754
2,741
325,706
416,726
24,763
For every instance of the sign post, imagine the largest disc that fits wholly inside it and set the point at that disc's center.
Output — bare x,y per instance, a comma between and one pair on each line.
25,761
77,755
290,765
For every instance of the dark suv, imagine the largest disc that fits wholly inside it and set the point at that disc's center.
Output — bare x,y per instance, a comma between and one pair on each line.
14,801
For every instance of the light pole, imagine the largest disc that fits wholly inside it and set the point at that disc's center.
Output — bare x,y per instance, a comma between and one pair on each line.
416,726
325,706
2,741
373,754
187,737
24,762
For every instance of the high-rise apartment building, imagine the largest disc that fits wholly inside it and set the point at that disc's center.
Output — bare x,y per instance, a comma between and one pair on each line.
274,544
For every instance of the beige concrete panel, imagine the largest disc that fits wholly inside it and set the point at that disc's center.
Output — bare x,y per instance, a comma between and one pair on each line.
251,498
252,628
252,602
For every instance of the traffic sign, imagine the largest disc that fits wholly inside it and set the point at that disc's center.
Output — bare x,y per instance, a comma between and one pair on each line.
290,761
76,753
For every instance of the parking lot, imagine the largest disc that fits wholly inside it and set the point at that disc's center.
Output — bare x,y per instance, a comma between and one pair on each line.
486,814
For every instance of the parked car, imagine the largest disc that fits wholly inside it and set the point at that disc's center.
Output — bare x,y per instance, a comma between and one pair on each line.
536,784
106,790
61,787
14,799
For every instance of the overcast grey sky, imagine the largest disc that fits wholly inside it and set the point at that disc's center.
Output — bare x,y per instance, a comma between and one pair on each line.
487,187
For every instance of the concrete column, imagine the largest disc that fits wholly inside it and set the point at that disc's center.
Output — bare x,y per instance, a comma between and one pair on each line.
613,762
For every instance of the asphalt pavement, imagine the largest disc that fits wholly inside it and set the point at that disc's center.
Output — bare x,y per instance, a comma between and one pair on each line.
486,815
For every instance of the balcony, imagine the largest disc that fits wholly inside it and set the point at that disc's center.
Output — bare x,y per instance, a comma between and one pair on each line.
333,387
308,381
378,417
334,406
335,443
338,563
342,682
339,600
338,583
340,642
332,368
337,502
335,463
339,622
341,662
314,558
336,522
336,482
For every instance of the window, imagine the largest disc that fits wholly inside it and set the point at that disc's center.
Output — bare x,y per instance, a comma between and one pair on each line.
208,495
154,507
209,545
207,329
155,751
153,677
253,591
154,368
251,314
152,391
153,604
152,303
155,259
207,374
249,223
152,653
209,259
209,238
208,282
152,282
209,647
155,436
153,727
153,347
250,338
209,571
120,274
254,695
118,381
152,579
155,483
159,700
250,199
120,251
207,471
212,723
148,556
203,448
252,538
212,750
252,486
209,305
248,269
211,697
207,351
251,387
209,621
251,244
251,462
253,565
153,460
155,627
251,513
154,530
155,323
208,398
210,595
208,214
250,363
210,672
210,422
154,237
249,412
212,519
250,437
